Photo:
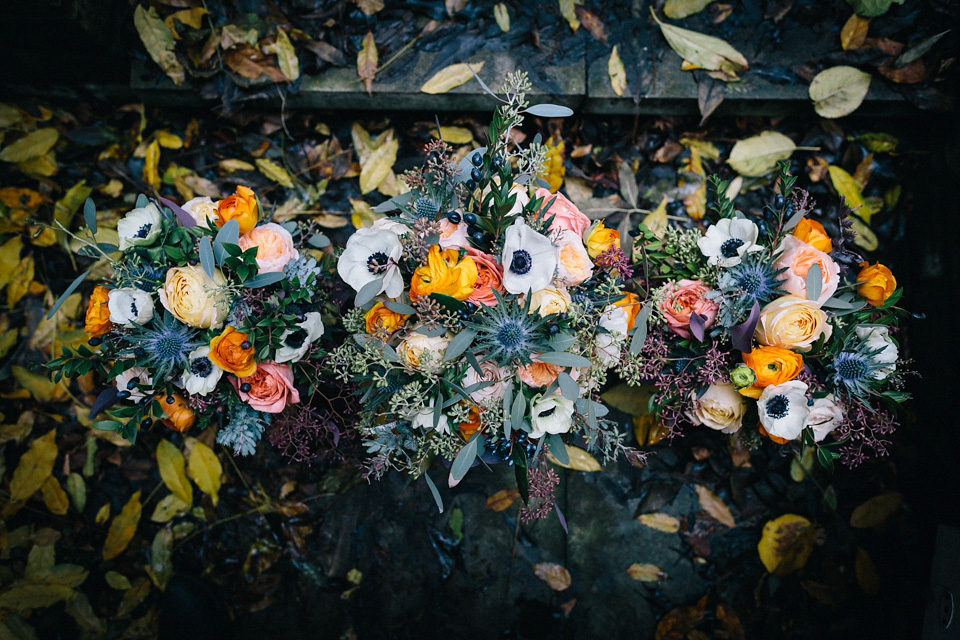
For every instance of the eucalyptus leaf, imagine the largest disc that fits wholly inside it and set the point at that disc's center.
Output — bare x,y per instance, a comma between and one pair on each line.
264,279
640,330
563,359
395,203
549,111
66,294
507,401
319,241
431,333
518,409
368,292
463,461
229,234
399,307
433,491
142,201
557,448
90,215
814,282
569,388
389,354
206,256
459,344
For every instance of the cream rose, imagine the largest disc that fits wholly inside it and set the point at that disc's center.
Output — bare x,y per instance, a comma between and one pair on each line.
573,262
792,323
549,300
720,408
423,352
195,298
202,209
274,246
824,417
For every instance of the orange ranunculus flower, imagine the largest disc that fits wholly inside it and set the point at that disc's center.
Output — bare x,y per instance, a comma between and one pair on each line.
875,283
773,365
382,320
97,321
228,353
632,304
179,417
444,273
242,207
600,238
813,233
472,425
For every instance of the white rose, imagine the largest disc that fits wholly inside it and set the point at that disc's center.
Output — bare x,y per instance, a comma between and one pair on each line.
824,417
609,345
783,409
573,262
550,414
884,350
422,352
720,407
202,210
139,227
130,306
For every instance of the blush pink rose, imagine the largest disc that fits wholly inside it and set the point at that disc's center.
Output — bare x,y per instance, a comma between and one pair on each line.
489,278
797,258
565,214
274,246
491,373
683,299
271,388
453,236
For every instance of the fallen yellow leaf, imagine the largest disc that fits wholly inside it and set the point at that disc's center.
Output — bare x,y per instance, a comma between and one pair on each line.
204,469
580,460
876,510
379,164
450,77
555,575
173,471
151,174
617,73
646,572
35,467
32,145
453,135
502,499
713,505
122,528
54,496
367,61
274,172
660,521
786,544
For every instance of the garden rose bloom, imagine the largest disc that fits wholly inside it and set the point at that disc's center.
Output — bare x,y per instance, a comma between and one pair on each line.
539,374
489,278
97,321
616,320
773,366
472,425
423,352
227,352
720,408
274,246
491,373
444,273
683,299
549,300
573,261
797,258
193,297
566,215
792,323
550,414
813,233
271,388
824,417
453,236
241,206
202,209
875,283
600,238
382,320
783,410
179,416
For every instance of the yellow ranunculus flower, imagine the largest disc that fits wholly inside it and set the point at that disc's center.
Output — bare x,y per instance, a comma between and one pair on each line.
600,238
382,320
445,273
875,283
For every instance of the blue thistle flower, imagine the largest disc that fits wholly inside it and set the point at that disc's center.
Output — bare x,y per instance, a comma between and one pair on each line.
426,208
753,280
244,428
163,348
509,333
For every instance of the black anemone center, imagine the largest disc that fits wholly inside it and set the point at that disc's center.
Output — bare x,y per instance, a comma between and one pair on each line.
778,407
143,231
133,308
295,339
201,367
729,248
377,263
547,413
521,262
852,368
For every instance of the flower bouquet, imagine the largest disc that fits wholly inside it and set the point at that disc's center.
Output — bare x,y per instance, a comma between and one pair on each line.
767,321
486,318
209,317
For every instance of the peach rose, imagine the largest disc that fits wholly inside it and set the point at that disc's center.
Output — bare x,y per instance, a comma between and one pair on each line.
792,323
241,206
600,238
683,299
97,321
549,300
453,236
566,215
271,388
539,374
179,416
232,352
813,233
573,261
797,257
875,283
489,278
274,246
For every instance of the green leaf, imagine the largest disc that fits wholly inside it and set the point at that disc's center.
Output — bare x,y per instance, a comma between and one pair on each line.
32,145
557,448
563,359
66,294
640,330
368,292
758,155
433,491
459,344
206,256
871,8
90,215
228,235
518,410
265,279
463,461
569,389
814,282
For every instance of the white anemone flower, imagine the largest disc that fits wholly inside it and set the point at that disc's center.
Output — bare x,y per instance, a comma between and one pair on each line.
529,259
371,254
130,306
783,409
550,414
129,379
139,227
726,242
296,342
201,375
423,419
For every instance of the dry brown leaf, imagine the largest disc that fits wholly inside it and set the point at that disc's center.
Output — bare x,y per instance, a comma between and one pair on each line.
502,499
876,510
369,7
854,32
713,505
591,23
863,171
680,622
911,73
645,572
617,73
660,521
367,61
555,575
249,62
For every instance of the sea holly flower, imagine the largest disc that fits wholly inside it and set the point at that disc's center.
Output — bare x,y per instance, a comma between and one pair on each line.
726,242
884,353
130,306
163,347
550,414
509,333
784,410
140,227
201,375
296,342
529,259
371,254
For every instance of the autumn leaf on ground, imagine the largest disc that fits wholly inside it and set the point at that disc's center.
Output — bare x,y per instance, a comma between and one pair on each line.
646,572
660,522
378,165
34,144
502,499
555,575
274,172
704,52
151,163
453,135
249,62
758,155
204,468
173,471
786,543
158,40
35,467
502,16
286,56
367,61
849,190
122,528
680,622
579,460
55,497
866,571
568,9
876,510
451,76
838,91
679,9
854,32
713,505
617,73
591,23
